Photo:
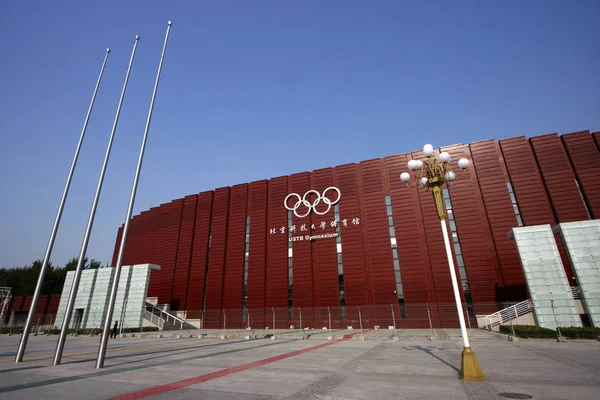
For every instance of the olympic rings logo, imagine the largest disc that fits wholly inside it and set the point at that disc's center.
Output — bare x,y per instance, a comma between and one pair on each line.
303,201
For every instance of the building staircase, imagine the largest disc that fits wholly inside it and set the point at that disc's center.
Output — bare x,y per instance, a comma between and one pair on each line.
164,320
510,313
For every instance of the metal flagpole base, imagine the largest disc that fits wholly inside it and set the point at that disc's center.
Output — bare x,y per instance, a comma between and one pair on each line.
470,370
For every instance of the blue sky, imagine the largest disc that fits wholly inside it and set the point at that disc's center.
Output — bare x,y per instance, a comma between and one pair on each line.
254,90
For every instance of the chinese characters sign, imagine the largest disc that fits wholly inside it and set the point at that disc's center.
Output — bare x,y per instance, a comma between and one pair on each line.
307,230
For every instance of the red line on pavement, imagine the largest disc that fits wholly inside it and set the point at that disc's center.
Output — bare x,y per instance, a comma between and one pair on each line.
218,374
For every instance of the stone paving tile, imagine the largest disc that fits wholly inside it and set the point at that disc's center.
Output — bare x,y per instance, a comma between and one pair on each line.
412,368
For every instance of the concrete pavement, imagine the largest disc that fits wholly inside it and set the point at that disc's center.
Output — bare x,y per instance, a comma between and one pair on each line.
287,368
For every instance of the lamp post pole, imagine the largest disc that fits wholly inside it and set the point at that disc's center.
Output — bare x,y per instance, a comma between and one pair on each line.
433,174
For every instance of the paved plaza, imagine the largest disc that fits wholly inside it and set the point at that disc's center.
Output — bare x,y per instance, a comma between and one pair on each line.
410,367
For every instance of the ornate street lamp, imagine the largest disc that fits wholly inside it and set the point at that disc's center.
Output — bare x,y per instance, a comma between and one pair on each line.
433,174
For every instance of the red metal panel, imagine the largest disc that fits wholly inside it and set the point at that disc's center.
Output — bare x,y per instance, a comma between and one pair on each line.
216,261
596,136
559,178
325,283
324,253
277,247
355,277
154,220
27,303
585,158
302,286
527,183
234,257
257,210
42,304
529,189
375,229
415,268
479,253
488,164
184,252
200,253
17,303
53,305
168,235
117,246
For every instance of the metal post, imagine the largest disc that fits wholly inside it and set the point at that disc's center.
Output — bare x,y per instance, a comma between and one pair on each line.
329,312
362,332
40,281
461,317
512,328
555,320
37,326
201,321
393,317
88,230
430,324
468,318
224,321
113,293
247,319
123,316
273,311
300,312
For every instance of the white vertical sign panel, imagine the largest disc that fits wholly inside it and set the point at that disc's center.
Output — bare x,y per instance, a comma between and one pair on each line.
582,239
547,282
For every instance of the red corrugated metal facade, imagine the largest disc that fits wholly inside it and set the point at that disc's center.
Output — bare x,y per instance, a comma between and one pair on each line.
231,248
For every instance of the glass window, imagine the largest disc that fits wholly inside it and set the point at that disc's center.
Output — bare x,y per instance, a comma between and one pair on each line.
393,242
446,192
290,252
452,225
290,272
459,261
455,237
339,247
341,280
512,197
392,231
462,273
391,221
396,265
389,210
338,238
509,186
388,201
457,249
519,220
340,269
289,262
448,203
339,258
516,209
398,278
399,289
450,214
395,253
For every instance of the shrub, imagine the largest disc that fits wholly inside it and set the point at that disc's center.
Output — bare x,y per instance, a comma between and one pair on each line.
537,332
530,332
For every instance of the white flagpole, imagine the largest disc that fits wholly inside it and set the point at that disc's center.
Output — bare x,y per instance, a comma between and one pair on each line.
38,287
64,330
115,284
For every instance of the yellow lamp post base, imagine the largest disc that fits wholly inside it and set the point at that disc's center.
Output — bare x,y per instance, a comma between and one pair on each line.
470,370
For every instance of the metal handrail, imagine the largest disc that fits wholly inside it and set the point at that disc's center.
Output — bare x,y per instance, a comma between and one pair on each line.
153,309
512,312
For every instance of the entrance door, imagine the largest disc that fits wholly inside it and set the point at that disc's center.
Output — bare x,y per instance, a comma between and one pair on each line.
78,317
